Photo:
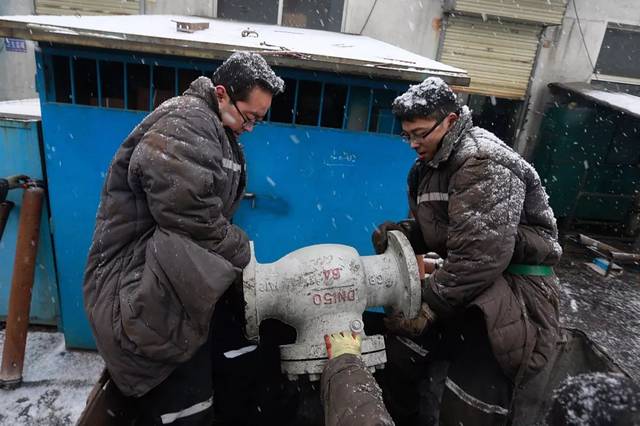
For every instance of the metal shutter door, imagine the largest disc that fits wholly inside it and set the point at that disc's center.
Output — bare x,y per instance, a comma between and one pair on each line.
498,56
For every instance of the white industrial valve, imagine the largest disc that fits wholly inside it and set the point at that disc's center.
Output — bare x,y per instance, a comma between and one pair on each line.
325,288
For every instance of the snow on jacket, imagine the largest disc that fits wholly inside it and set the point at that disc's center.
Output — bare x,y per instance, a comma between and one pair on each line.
482,207
350,394
164,250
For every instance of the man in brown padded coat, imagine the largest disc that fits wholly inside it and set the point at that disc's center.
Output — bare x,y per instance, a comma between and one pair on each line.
165,252
489,319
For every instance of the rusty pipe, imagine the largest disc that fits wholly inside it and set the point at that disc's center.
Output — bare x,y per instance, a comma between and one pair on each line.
5,210
21,284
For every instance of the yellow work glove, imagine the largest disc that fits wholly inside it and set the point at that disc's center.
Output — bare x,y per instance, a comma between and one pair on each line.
344,342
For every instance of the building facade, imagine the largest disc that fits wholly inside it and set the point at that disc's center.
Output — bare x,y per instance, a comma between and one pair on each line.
600,44
512,50
326,166
17,59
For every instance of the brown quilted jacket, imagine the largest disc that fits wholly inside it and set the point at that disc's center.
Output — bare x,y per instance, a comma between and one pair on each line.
164,250
481,206
350,394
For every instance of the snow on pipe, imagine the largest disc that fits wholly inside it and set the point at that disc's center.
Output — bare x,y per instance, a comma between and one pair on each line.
324,289
21,285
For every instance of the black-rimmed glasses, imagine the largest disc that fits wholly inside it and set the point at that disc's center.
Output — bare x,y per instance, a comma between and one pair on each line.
245,121
407,138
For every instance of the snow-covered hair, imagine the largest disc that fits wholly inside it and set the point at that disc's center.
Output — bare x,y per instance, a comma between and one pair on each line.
243,71
432,98
595,399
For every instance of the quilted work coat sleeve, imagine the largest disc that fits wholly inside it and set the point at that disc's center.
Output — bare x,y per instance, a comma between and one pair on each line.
179,163
350,394
485,204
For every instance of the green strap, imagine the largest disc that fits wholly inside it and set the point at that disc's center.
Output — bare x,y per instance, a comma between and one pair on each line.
535,270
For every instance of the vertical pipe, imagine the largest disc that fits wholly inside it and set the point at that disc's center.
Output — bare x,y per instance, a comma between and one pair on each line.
21,285
125,85
5,210
345,117
295,102
214,8
99,82
280,11
369,111
152,89
72,76
176,81
395,122
343,25
321,104
45,77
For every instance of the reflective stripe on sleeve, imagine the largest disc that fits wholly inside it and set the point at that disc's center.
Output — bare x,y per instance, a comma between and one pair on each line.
433,196
194,409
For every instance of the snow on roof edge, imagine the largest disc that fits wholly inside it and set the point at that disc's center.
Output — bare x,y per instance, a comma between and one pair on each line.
624,102
366,54
21,109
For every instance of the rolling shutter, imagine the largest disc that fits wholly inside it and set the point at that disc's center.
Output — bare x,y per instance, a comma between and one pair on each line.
87,7
546,12
498,55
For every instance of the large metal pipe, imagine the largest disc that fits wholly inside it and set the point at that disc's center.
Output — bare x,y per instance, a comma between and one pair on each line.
21,284
325,288
5,210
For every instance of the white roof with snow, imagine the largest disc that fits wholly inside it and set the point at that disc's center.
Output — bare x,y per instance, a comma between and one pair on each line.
286,46
625,102
23,109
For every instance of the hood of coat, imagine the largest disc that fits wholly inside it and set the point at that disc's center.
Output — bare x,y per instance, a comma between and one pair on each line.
203,88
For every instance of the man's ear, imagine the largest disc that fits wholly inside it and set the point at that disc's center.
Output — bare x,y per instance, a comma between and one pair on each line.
221,92
452,118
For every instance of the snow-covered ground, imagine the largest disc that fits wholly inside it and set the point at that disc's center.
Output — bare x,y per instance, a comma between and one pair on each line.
56,383
606,309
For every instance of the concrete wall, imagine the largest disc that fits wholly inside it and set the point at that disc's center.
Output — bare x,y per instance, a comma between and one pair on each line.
411,24
17,70
563,56
182,7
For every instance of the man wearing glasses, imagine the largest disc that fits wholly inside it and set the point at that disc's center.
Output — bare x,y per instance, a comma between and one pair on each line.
489,318
159,283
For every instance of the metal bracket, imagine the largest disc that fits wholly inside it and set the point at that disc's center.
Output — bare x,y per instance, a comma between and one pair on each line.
252,197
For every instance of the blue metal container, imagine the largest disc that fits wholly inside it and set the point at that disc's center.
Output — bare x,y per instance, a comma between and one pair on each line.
315,185
20,153
312,184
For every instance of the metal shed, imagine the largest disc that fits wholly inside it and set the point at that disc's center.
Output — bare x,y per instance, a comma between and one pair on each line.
20,149
589,157
326,167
